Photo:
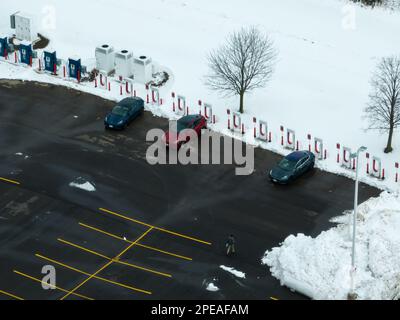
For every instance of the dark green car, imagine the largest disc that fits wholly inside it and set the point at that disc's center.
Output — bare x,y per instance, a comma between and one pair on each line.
292,167
123,113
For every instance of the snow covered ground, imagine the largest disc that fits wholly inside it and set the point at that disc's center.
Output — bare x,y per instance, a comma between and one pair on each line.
321,267
320,87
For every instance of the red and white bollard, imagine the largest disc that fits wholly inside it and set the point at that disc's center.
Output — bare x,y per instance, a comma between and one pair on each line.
282,138
397,172
338,152
229,118
173,101
367,156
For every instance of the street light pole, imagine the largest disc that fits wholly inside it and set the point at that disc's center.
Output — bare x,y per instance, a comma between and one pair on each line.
352,294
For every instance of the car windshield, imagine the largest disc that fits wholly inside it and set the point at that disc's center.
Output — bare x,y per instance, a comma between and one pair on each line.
286,164
120,111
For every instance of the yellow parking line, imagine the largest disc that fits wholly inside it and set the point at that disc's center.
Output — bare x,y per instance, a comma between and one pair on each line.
165,252
50,285
84,249
109,263
114,260
11,295
91,275
10,181
138,244
103,232
136,241
157,228
273,298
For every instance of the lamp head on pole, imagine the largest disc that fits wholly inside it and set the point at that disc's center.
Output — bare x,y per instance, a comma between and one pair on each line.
355,155
362,149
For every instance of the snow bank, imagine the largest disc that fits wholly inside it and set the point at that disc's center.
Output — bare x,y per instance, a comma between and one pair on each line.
320,267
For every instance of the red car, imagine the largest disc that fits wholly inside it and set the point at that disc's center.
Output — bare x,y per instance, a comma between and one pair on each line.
195,122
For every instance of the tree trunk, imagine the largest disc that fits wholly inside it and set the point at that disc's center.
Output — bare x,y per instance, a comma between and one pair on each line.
241,109
389,143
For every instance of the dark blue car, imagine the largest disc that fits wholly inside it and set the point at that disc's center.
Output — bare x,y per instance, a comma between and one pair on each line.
292,167
123,113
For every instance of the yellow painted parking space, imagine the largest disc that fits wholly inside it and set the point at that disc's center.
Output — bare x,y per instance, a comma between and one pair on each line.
9,181
11,295
53,286
114,260
94,275
156,228
137,244
273,298
165,252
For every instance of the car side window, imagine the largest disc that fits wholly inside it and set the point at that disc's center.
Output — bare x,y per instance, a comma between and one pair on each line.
301,162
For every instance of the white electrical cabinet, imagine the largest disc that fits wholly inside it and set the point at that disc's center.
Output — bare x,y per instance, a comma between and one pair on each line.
25,26
124,64
143,69
105,58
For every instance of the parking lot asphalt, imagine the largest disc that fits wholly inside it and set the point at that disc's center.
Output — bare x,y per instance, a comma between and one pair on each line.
146,232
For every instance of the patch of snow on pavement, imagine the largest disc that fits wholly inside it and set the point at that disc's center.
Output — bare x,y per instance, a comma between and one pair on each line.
87,186
236,273
320,267
212,287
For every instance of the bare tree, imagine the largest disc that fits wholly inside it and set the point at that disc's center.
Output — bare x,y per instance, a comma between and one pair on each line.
383,110
243,64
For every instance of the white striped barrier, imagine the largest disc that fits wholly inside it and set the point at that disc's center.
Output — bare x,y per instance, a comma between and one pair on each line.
376,168
208,113
182,107
155,96
346,159
126,87
238,125
102,83
261,130
288,139
319,149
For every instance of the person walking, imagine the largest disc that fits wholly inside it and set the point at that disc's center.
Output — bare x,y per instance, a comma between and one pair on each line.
230,245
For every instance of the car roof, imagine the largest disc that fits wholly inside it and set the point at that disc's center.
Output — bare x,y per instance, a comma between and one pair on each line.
189,118
296,156
128,102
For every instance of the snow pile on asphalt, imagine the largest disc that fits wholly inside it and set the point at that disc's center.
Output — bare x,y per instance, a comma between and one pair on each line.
212,287
235,272
84,185
320,267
